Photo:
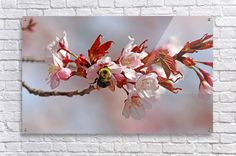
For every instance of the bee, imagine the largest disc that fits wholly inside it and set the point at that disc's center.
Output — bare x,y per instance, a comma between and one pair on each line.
105,79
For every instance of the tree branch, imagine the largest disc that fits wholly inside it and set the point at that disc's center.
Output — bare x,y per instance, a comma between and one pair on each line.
58,93
31,59
34,60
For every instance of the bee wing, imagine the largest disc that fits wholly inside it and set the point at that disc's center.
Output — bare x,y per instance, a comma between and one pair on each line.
112,86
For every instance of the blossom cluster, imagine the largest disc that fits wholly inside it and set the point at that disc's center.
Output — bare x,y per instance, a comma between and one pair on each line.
141,74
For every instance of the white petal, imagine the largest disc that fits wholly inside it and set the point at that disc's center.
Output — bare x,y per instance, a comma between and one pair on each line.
142,55
105,59
137,112
54,81
126,109
57,60
115,68
129,74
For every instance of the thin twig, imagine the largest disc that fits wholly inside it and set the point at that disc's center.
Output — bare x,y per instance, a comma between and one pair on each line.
34,60
31,59
58,93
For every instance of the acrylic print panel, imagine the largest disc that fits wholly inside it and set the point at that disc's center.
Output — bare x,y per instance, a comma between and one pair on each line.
109,75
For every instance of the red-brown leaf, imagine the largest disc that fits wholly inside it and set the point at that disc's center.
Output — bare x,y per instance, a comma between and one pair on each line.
140,48
168,63
168,84
82,61
199,44
97,50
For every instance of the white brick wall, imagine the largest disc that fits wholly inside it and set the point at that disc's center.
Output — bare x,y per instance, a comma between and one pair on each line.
221,142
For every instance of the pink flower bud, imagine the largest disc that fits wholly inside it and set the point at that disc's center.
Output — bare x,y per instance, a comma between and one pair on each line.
64,73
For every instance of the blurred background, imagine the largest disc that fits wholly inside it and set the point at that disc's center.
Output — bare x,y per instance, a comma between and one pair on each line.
100,112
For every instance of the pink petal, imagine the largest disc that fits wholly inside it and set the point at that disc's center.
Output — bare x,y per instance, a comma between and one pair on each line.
64,73
126,109
54,81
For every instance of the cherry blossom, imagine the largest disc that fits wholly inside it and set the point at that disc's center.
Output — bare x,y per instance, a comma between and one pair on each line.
92,71
147,85
142,75
57,72
59,47
135,106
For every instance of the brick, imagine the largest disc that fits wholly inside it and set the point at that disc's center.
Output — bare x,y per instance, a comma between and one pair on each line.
227,33
130,3
82,3
227,2
204,2
106,147
12,13
205,11
9,3
204,148
155,3
153,148
179,2
83,12
12,24
9,55
227,76
156,11
58,3
229,11
109,139
225,107
11,106
212,138
9,34
127,147
227,97
33,4
228,53
13,126
1,24
181,11
13,85
147,139
178,139
178,148
59,147
2,85
224,148
107,11
59,12
132,11
228,138
225,21
10,137
226,117
225,128
11,65
10,75
2,127
13,147
224,43
11,45
12,96
12,116
106,3
216,117
2,147
82,147
34,12
36,147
